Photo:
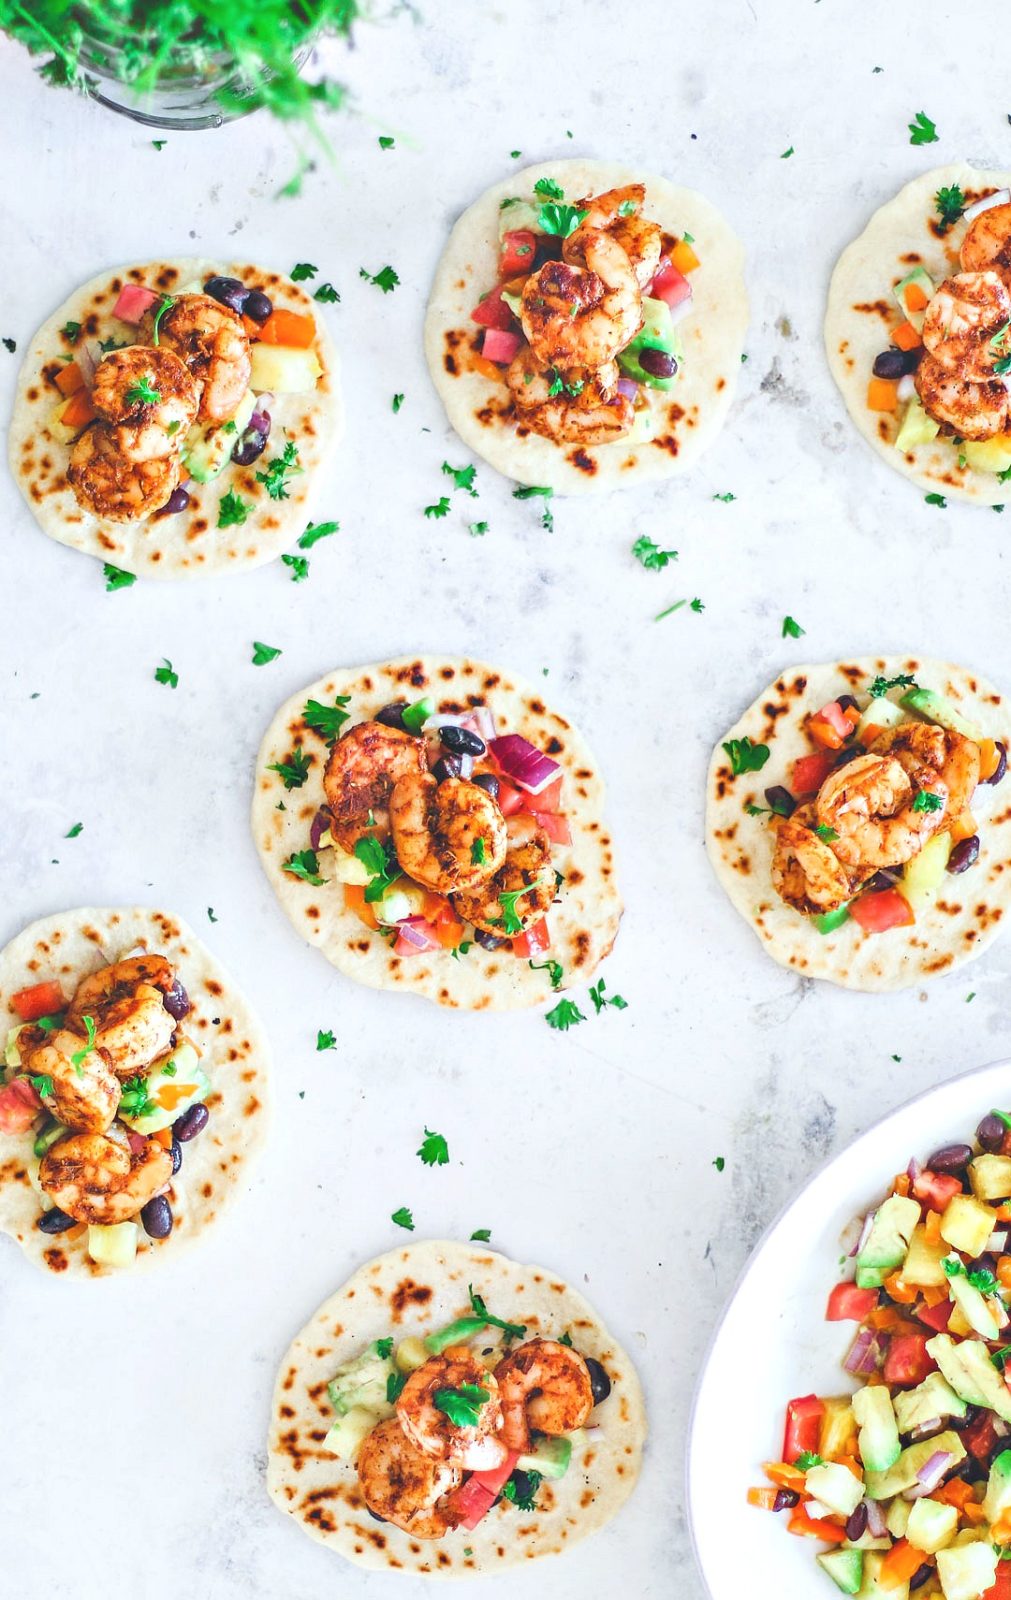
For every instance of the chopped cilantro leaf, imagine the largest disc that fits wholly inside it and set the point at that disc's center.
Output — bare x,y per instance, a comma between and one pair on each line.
70,330
786,154
651,556
950,203
808,1459
385,142
42,1083
463,1405
922,130
745,756
166,674
396,403
116,578
299,567
210,914
327,721
548,189
440,509
262,653
477,529
73,832
477,853
512,1330
728,498
385,279
719,1163
403,1218
463,477
434,1150
79,1056
9,344
792,629
302,270
303,864
825,832
935,500
565,1015
142,393
554,970
281,468
925,801
315,531
559,220
158,144
525,1500
325,1040
881,686
480,1236
602,1001
693,605
294,771
394,1386
384,1349
326,294
232,510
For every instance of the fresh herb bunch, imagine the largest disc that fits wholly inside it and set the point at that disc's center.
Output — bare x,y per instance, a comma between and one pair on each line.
141,42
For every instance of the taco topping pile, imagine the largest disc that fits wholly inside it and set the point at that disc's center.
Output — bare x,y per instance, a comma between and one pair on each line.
185,401
949,361
111,1089
883,807
441,1429
582,322
442,829
908,1481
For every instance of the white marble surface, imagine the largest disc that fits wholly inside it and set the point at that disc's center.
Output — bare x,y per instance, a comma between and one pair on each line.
133,1413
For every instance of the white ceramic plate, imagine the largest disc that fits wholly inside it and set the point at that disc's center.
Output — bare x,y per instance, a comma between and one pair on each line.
773,1342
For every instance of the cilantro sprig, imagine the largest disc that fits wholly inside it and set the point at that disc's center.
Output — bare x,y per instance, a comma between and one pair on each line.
294,771
434,1151
650,556
327,721
745,756
462,1405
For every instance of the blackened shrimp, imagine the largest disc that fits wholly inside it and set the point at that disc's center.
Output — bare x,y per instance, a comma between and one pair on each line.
543,1385
125,1003
75,1082
521,892
424,1410
970,410
583,316
109,485
212,342
966,324
96,1178
987,242
576,406
148,399
447,836
402,1485
360,772
617,212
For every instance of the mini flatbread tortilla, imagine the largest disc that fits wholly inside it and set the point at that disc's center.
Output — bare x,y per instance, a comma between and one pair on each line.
413,1291
188,544
584,920
236,1058
968,911
686,419
862,311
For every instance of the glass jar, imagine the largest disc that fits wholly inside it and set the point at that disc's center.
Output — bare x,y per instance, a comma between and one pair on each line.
185,96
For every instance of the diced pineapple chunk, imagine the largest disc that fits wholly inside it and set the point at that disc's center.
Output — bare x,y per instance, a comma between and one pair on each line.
990,1177
967,1225
410,1354
988,455
925,873
348,869
838,1428
347,1433
281,369
922,1266
115,1245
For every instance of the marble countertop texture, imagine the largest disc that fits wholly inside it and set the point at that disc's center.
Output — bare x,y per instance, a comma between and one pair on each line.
133,1413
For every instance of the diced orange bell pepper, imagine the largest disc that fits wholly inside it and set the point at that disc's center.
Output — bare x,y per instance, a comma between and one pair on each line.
683,257
515,285
890,1320
78,411
932,1229
487,368
784,1476
956,1492
899,1290
448,927
354,899
816,1528
901,1184
906,336
916,300
989,758
164,1136
288,327
764,1499
882,394
70,379
1001,1530
962,827
934,1294
823,733
898,1566
870,733
75,1233
1004,1272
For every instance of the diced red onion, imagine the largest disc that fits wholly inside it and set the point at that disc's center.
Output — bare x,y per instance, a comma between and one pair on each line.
876,1523
816,1510
523,764
680,311
318,827
466,766
594,1434
864,1234
629,388
926,1430
906,387
414,937
862,1359
914,1169
1000,197
930,1474
432,724
88,355
850,1235
482,722
997,1241
138,1143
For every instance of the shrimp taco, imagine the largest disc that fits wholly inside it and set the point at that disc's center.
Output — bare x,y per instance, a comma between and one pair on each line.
854,817
451,1413
133,1089
586,325
432,826
918,332
176,418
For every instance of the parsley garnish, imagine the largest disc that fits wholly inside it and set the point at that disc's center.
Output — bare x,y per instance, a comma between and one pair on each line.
565,1015
116,578
528,492
394,1386
925,801
745,756
396,403
327,721
326,294
166,674
9,344
42,1083
982,1278
510,920
141,393
315,531
651,556
728,498
232,510
385,142
463,1405
70,330
134,1100
695,605
719,1162
477,853
294,771
440,509
384,1349
825,832
278,471
628,208
602,1001
792,629
262,653
477,529
549,189
325,1040
512,1330
302,270
554,970
79,1056
303,864
160,310
559,385
434,1150
938,499
480,1236
559,220
881,686
210,914
74,831
385,279
922,130
463,477
299,567
950,203
403,1218
807,1459
786,154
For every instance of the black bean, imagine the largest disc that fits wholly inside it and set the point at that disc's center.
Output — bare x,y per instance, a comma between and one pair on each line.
890,363
250,447
599,1380
191,1122
920,1576
847,703
658,363
488,782
177,1001
520,1481
447,767
157,1218
983,1263
176,1152
462,741
177,501
880,880
374,1515
488,941
951,1158
848,753
229,291
780,801
55,1221
1001,768
965,853
857,1523
990,1133
785,1500
258,305
392,716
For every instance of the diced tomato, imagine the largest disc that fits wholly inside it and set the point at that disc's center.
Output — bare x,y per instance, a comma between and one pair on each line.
1001,1589
810,772
847,1303
533,941
447,925
133,301
803,1426
510,799
936,1188
907,1361
669,284
493,1478
549,798
898,1566
980,1437
137,1142
19,1106
472,1501
41,1000
492,312
517,252
288,328
938,1316
500,345
882,910
554,824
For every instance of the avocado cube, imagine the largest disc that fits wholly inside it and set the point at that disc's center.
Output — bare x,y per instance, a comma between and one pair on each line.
983,1313
845,1568
348,1432
998,1489
932,1398
988,455
990,1178
967,1225
891,1231
938,708
879,1434
902,1474
931,1525
972,1375
657,333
